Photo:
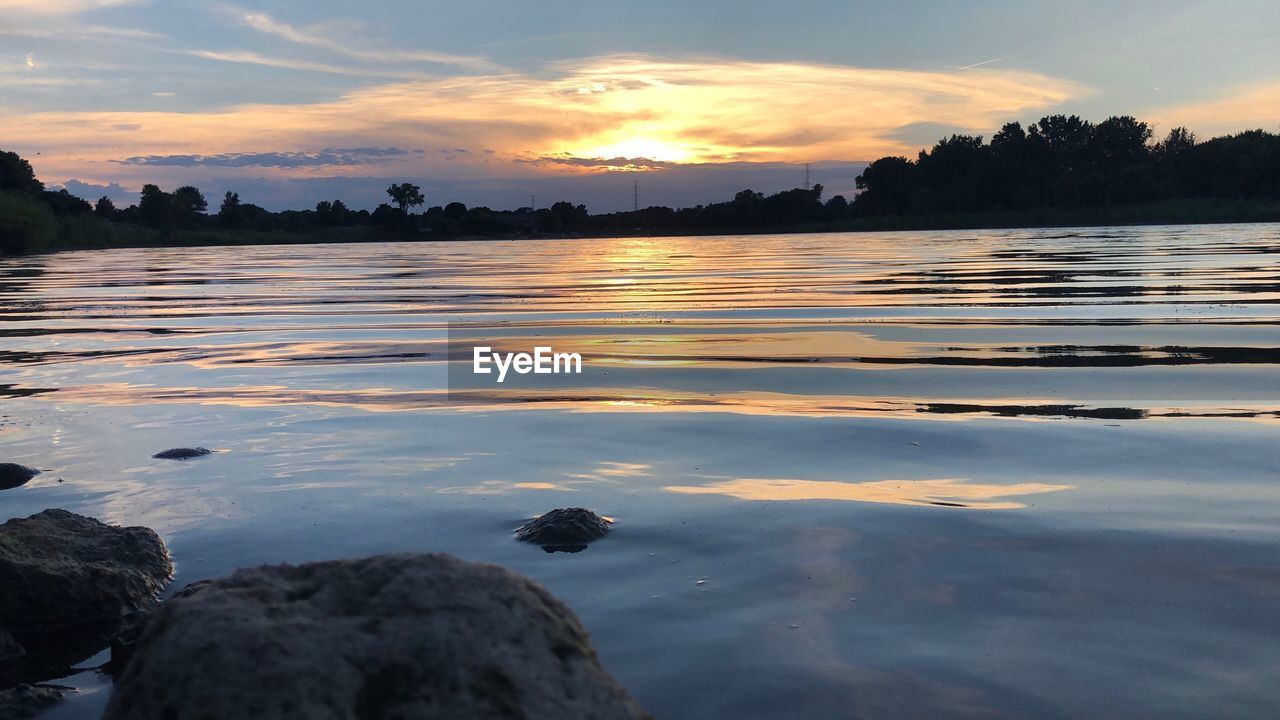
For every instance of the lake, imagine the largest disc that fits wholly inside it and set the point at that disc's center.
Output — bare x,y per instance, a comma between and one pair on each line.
1022,473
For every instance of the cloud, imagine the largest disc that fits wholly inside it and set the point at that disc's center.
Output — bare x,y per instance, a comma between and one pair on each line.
571,119
64,31
1250,106
35,80
633,164
320,36
91,191
709,109
252,58
103,30
324,158
57,7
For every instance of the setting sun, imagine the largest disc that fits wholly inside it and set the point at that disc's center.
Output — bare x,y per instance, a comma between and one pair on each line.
639,147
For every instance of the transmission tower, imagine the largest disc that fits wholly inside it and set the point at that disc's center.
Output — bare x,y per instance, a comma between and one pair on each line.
635,194
806,177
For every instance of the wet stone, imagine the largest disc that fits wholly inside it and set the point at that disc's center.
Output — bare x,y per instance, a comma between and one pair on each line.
13,475
564,529
395,636
182,453
66,578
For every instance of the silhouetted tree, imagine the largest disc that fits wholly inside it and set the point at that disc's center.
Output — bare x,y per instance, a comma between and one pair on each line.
1066,161
1012,172
1010,138
229,212
188,204
332,213
105,209
16,175
887,186
789,206
1066,138
406,196
64,203
1119,141
481,221
256,217
952,175
1174,162
569,216
745,202
154,206
386,216
1245,165
837,208
1177,144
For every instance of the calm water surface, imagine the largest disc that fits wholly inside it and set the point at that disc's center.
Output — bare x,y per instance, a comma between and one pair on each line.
1027,474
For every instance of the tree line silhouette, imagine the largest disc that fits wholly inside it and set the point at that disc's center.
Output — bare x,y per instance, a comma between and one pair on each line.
1064,161
1059,163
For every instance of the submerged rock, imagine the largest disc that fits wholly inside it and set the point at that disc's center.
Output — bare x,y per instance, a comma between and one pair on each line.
564,529
28,701
182,453
13,475
394,636
65,577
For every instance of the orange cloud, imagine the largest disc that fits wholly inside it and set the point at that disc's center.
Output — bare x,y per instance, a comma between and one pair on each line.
688,111
1248,107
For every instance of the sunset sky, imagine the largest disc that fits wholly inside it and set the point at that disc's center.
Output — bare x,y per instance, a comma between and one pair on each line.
290,102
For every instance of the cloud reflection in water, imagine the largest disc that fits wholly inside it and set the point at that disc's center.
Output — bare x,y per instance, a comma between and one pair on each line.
947,492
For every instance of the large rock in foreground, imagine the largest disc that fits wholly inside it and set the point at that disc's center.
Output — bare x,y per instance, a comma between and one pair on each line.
11,654
10,650
394,637
68,580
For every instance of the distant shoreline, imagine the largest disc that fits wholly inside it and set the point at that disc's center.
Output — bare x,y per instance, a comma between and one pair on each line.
1062,171
1183,212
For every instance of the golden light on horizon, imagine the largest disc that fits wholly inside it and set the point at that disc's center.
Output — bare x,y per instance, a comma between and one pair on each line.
651,148
694,110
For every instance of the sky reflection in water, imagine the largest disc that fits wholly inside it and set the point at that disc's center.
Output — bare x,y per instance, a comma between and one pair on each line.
1022,473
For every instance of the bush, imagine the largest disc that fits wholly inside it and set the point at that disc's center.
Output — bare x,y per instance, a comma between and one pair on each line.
26,225
84,231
